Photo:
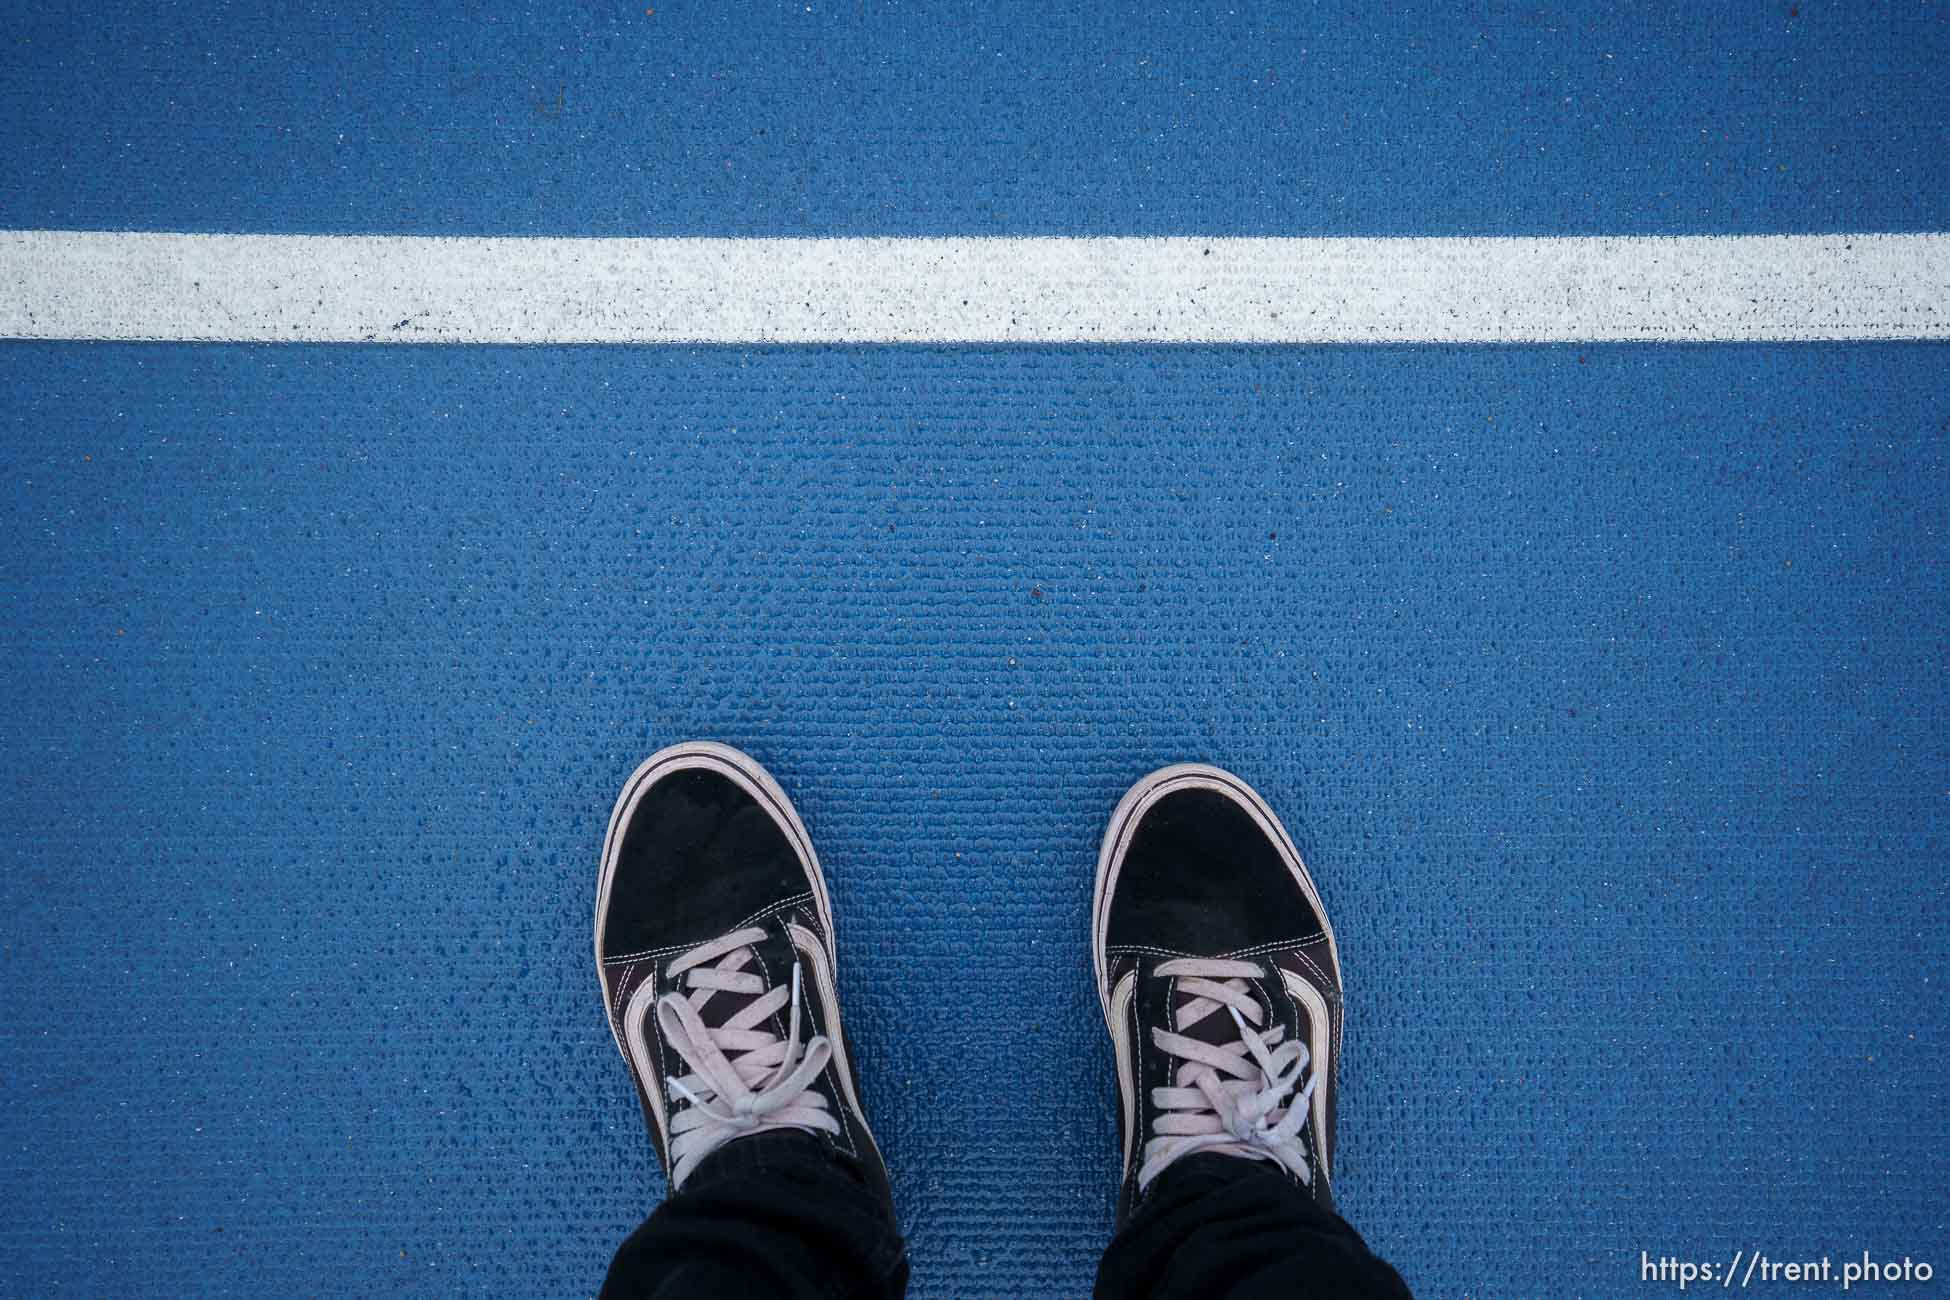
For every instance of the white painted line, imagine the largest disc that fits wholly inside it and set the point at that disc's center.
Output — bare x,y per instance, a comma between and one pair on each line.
395,289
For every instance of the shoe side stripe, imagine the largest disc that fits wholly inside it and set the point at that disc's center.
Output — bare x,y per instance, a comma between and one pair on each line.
1319,1045
1120,1038
1327,983
814,951
634,1017
622,982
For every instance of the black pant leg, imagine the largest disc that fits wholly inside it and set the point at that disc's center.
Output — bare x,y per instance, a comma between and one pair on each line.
1216,1227
775,1215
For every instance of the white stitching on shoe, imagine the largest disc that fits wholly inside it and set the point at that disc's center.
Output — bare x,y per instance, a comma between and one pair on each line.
1243,953
1144,949
1277,944
622,982
754,919
1319,974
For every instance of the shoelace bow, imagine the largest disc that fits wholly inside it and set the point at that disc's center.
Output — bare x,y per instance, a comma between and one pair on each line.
1228,1097
745,1079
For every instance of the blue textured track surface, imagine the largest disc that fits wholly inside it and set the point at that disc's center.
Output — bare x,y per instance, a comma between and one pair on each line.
820,119
1604,688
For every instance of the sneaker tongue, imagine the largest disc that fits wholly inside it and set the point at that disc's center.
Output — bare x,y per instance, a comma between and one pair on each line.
772,963
1217,1027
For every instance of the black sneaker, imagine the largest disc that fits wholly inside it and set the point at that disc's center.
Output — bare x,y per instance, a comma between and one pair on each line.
1219,981
714,943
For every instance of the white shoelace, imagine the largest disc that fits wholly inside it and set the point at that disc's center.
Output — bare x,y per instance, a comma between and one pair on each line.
1228,1097
747,1080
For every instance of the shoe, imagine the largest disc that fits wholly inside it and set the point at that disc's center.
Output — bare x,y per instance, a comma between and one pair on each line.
714,943
1219,981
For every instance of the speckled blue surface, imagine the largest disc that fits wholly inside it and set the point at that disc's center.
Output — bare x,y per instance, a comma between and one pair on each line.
1603,687
1332,117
